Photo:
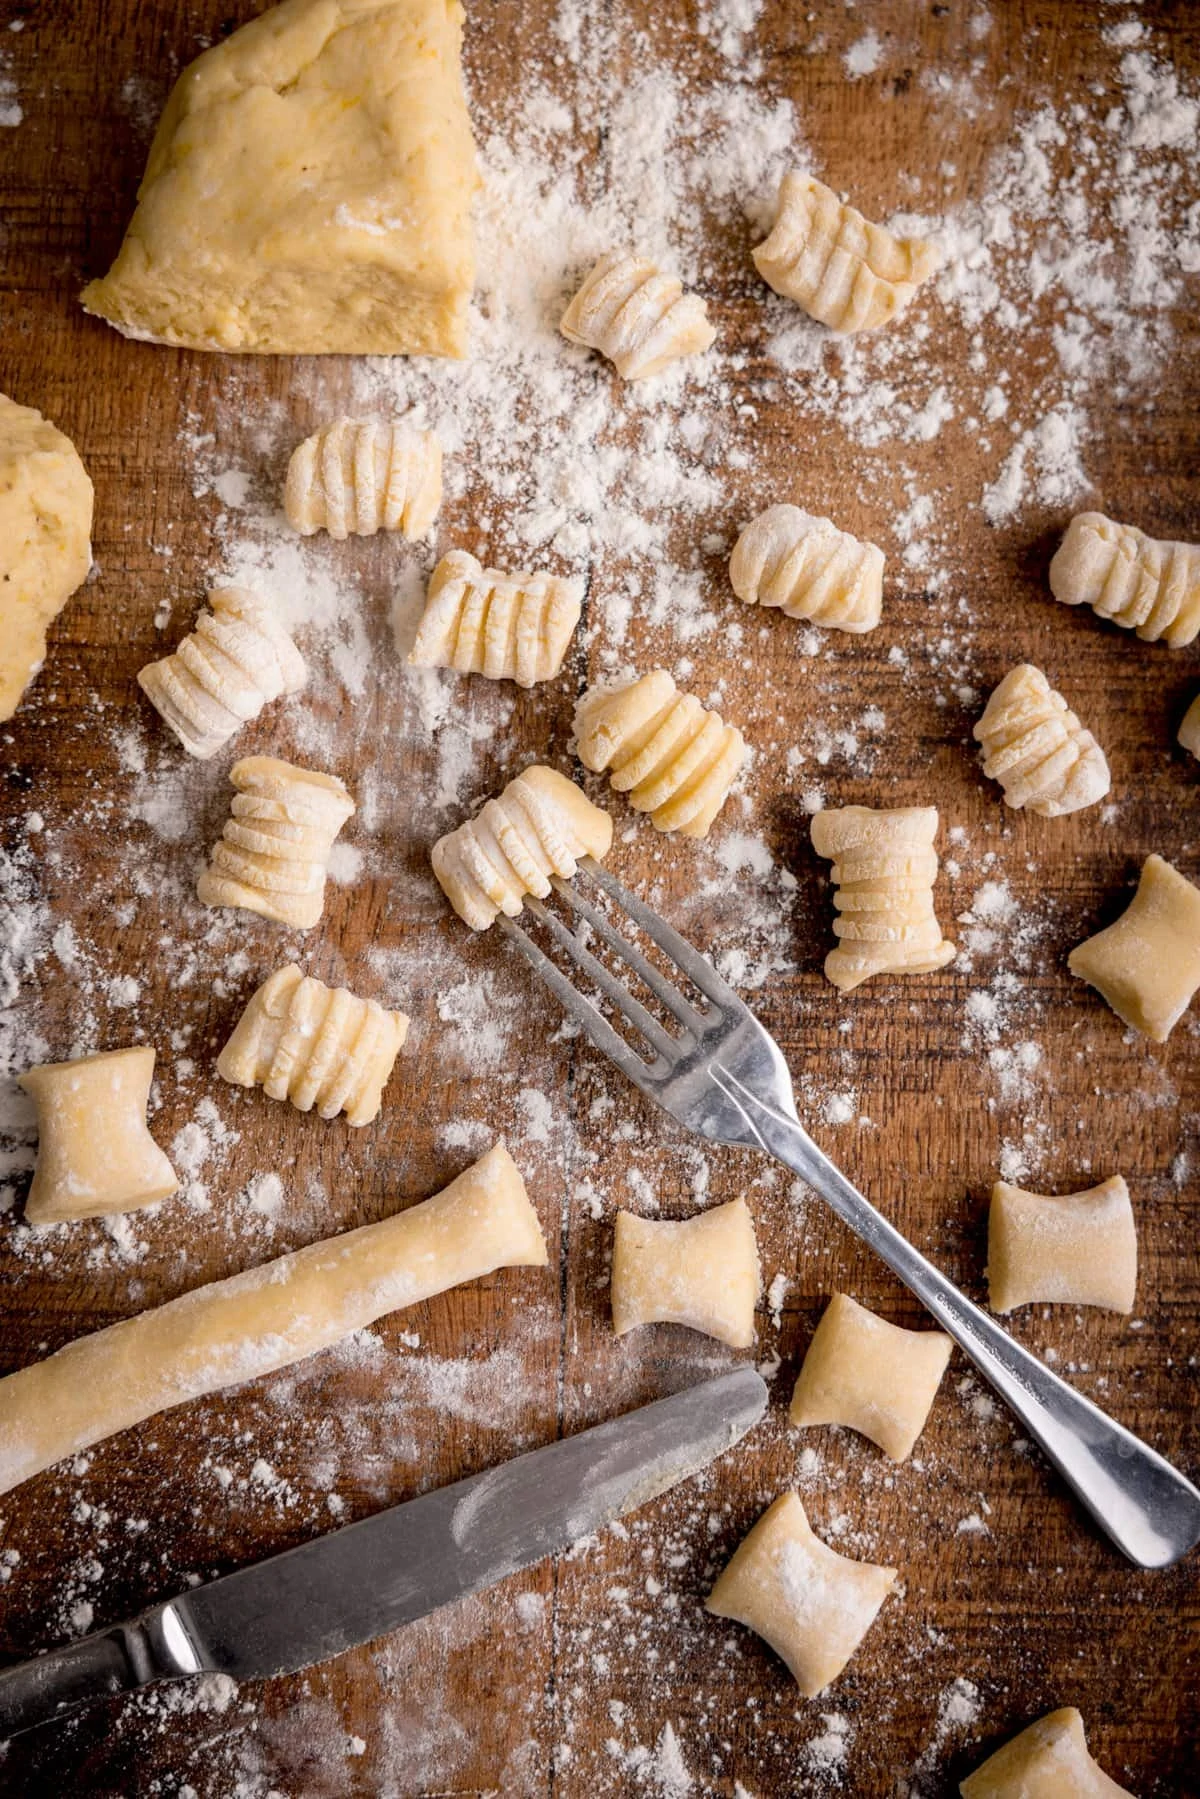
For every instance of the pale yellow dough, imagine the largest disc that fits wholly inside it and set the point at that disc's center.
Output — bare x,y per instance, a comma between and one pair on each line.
1036,748
95,1154
702,1272
809,569
1049,1760
236,660
884,867
480,621
272,855
308,190
238,1329
813,1606
871,1375
1147,964
1189,730
673,756
45,532
1076,1249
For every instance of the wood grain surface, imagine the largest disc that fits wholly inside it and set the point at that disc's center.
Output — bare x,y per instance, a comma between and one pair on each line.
563,1681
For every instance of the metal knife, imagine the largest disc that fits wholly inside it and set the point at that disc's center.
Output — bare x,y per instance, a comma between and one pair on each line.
365,1580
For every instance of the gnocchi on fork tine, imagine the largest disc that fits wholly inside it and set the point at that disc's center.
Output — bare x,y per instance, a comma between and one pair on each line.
720,1073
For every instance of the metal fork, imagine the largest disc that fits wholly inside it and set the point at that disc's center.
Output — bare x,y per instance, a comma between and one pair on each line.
724,1077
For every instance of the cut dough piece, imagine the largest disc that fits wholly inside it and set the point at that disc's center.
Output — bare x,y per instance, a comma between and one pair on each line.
274,850
238,1329
702,1272
95,1154
1189,730
813,1606
1036,748
478,621
808,568
360,476
1050,1760
1142,583
315,1045
884,867
45,547
638,317
1077,1249
238,659
308,190
1147,964
871,1375
541,825
843,270
675,758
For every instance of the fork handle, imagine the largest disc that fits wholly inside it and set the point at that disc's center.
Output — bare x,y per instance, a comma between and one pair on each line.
1150,1511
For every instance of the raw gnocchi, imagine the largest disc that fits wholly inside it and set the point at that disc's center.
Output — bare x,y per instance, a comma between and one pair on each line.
273,853
95,1152
478,621
638,317
1077,1249
813,1606
845,271
359,476
1145,584
809,569
314,1045
874,1376
541,825
675,758
236,660
884,866
1036,748
1189,730
1147,964
1049,1760
702,1272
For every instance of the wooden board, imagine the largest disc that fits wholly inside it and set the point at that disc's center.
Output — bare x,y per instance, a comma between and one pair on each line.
564,1681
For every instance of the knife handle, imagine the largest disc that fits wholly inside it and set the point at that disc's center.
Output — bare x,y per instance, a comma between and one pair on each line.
156,1646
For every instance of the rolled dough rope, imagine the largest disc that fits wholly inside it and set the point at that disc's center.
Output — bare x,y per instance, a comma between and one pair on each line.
267,1318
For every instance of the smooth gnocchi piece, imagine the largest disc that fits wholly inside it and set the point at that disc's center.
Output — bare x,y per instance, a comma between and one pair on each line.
702,1272
1049,1760
95,1152
884,866
479,621
813,1606
1189,730
868,1374
1147,964
265,1318
809,569
236,660
675,758
359,476
845,271
314,1045
1036,748
273,853
1077,1249
1145,584
541,825
635,315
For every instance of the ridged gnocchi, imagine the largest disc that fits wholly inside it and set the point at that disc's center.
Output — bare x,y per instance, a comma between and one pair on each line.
273,853
809,569
1145,584
1036,748
884,867
675,758
236,660
845,271
359,476
638,317
314,1045
479,621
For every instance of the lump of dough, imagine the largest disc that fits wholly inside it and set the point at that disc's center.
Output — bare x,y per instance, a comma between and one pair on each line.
1077,1249
1147,964
308,190
813,1606
874,1376
1050,1760
702,1272
95,1154
45,547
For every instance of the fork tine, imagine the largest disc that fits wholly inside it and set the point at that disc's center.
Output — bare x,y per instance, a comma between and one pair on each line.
698,969
669,995
631,1009
577,1007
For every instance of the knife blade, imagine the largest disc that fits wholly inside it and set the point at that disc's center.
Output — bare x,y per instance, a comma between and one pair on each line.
358,1583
